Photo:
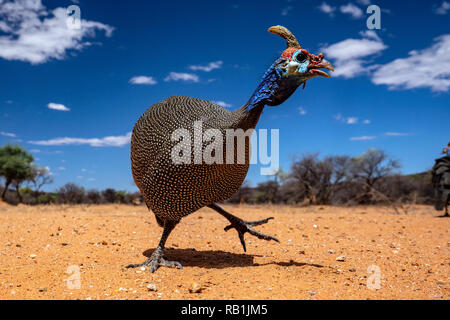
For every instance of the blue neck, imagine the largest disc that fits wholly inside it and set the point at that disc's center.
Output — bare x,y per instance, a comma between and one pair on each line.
273,90
266,89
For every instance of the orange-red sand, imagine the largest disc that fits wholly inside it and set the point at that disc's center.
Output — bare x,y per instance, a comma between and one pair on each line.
43,247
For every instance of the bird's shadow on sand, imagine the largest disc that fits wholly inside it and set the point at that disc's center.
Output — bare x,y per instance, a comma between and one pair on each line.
217,259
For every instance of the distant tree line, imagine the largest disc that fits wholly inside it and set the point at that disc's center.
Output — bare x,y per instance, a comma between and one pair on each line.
23,181
370,178
71,193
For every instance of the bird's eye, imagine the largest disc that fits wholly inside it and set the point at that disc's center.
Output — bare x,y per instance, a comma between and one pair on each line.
301,57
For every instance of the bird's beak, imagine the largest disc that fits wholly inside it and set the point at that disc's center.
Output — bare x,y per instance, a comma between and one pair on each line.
323,64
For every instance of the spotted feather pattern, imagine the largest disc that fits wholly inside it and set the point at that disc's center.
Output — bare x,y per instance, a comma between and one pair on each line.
171,190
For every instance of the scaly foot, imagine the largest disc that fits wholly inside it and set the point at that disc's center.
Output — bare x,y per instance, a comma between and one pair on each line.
242,227
155,261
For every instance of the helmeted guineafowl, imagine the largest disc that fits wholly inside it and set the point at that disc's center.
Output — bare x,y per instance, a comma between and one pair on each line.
174,189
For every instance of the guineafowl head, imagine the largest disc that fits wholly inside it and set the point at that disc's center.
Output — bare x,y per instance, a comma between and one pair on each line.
295,66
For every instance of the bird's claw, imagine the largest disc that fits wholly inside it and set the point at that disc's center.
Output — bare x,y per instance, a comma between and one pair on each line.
242,227
155,261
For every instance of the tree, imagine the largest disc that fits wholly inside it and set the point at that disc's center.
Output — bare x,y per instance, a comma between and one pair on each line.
304,173
41,176
341,168
109,195
71,193
369,168
94,196
266,192
318,178
120,196
280,175
15,167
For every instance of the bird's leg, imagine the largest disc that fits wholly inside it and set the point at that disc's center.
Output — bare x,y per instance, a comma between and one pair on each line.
157,259
242,226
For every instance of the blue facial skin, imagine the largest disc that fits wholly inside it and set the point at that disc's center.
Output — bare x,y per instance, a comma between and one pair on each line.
304,65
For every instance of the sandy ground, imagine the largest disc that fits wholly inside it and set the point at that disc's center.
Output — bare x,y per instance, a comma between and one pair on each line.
79,252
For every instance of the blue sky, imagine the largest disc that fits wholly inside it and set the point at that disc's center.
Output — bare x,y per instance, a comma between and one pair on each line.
72,96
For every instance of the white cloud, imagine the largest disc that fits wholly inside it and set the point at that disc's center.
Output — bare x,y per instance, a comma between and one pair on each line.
302,111
362,138
354,48
8,134
352,10
397,134
83,170
143,80
35,150
111,141
442,10
91,179
349,56
286,10
364,2
209,67
326,8
223,104
351,120
370,34
57,106
366,121
179,76
37,35
347,120
61,168
429,67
